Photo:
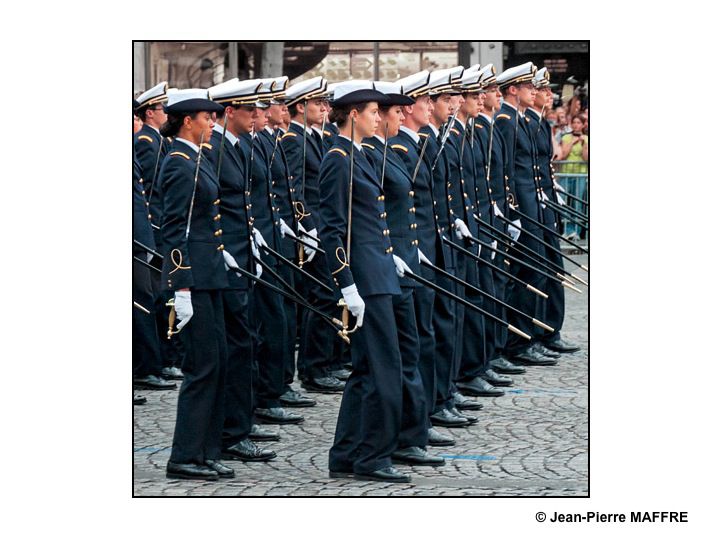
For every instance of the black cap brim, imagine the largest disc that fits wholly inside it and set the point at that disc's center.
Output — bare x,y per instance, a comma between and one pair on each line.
362,96
194,105
400,99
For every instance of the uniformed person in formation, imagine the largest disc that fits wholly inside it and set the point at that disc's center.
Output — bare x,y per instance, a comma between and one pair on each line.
194,271
150,148
554,312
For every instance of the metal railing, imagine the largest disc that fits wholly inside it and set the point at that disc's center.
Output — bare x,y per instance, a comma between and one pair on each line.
573,177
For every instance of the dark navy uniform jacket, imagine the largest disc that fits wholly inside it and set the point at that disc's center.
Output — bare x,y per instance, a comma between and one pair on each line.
264,210
196,261
430,228
329,134
521,159
399,205
292,143
371,264
235,215
497,161
541,134
150,149
460,201
142,230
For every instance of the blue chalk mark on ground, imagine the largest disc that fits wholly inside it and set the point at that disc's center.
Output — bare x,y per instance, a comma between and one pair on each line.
150,450
469,456
545,392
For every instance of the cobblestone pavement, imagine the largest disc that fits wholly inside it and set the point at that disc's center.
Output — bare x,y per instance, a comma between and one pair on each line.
531,441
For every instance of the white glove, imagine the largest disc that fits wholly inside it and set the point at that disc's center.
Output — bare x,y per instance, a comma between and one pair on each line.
284,229
301,228
149,257
497,210
259,240
543,198
461,230
560,199
258,269
515,231
494,245
256,254
479,249
311,238
183,308
354,303
422,257
401,266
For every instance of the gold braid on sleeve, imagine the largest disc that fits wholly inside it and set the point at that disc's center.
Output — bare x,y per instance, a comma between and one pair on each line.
177,259
342,259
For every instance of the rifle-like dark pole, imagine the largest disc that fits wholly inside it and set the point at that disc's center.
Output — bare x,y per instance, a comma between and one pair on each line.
296,268
429,284
572,215
548,229
487,295
495,268
304,243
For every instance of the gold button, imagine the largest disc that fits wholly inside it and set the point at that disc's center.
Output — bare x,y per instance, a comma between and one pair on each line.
381,197
412,210
449,184
141,180
389,250
435,203
489,190
143,192
216,217
383,215
386,232
247,193
216,202
274,196
147,204
218,232
415,242
149,216
221,247
413,225
411,193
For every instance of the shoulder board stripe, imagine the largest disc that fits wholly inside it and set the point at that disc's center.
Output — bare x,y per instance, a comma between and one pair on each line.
476,126
502,116
326,132
366,145
289,134
170,139
180,154
399,147
423,134
206,145
455,131
338,150
145,138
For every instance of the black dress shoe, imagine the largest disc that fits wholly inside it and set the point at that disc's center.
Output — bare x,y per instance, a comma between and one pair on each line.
435,438
503,365
139,400
246,450
172,373
341,374
341,474
529,357
190,471
324,385
496,379
414,455
446,419
278,415
479,387
539,347
153,382
291,398
388,474
471,419
259,434
464,403
562,346
222,470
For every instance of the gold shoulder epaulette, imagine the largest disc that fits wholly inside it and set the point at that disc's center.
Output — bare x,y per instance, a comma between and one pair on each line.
289,134
180,154
507,116
326,132
455,131
170,139
338,150
399,147
368,145
145,138
477,126
207,145
423,134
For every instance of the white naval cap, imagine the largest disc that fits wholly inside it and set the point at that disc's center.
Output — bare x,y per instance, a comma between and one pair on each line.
156,94
470,82
190,100
236,92
357,91
306,90
517,74
443,81
542,78
415,85
394,91
487,75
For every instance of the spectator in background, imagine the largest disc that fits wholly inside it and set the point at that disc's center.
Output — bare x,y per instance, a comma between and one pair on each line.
574,148
561,126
